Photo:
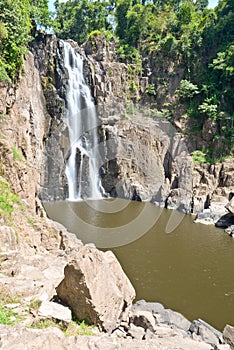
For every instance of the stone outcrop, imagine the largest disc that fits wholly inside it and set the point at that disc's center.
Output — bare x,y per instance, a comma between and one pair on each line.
147,159
213,187
228,335
96,288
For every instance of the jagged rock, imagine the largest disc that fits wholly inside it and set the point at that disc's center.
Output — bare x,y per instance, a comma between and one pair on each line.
119,332
230,230
96,288
228,335
209,129
54,311
212,187
207,333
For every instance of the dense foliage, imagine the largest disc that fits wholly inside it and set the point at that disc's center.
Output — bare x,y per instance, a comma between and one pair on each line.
17,19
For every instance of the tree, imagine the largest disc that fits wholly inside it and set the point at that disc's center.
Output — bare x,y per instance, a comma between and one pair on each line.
76,19
16,26
40,13
16,21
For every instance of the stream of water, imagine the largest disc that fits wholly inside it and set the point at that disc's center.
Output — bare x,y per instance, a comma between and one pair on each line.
189,270
81,168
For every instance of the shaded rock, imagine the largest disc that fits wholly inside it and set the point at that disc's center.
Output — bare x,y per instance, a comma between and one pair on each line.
209,129
225,221
143,319
96,288
228,335
230,230
55,311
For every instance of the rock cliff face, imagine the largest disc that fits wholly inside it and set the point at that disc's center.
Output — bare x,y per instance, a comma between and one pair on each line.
23,120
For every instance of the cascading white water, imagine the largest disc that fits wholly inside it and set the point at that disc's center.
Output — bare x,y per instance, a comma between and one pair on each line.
81,167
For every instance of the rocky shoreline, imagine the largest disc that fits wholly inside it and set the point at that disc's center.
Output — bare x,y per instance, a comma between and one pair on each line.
35,278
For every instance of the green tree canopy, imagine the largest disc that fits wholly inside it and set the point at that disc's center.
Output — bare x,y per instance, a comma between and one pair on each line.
17,18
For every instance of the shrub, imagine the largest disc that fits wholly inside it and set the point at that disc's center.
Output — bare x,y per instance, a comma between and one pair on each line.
187,89
7,199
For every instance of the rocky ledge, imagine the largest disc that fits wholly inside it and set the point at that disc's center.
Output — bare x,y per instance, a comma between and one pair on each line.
59,279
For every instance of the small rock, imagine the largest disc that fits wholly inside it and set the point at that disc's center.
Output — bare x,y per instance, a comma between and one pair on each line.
136,332
228,335
12,306
119,333
207,333
56,311
230,231
222,347
12,319
142,305
143,319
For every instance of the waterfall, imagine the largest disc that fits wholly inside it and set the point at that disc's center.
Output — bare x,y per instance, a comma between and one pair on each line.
81,167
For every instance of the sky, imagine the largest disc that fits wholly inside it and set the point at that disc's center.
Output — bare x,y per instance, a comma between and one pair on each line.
212,4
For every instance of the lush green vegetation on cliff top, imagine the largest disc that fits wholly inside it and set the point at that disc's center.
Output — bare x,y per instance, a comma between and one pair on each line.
17,22
199,39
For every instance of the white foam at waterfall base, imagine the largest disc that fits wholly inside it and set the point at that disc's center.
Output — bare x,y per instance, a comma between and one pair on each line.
81,119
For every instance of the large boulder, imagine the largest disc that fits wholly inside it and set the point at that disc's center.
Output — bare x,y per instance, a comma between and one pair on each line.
96,288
